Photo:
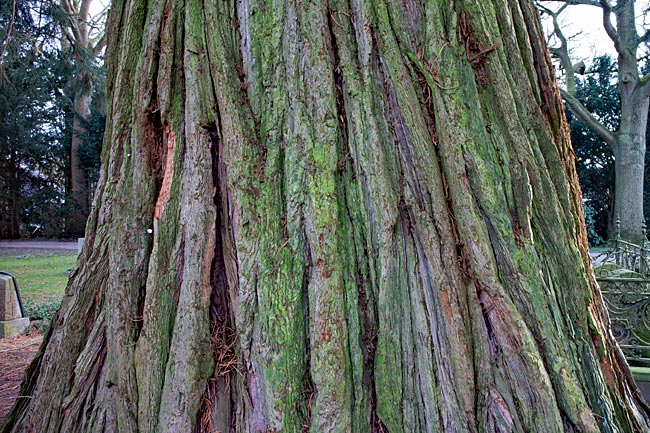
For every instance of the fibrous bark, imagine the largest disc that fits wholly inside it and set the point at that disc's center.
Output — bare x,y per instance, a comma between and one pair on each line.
332,217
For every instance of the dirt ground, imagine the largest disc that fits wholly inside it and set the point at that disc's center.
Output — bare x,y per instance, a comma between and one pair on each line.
15,355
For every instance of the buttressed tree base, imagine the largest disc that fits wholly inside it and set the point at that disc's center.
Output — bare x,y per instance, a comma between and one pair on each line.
338,216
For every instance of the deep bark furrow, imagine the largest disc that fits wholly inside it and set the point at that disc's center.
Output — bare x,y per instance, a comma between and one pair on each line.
216,412
339,84
308,383
331,409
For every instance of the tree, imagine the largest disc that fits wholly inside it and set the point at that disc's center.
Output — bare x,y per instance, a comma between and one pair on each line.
90,152
84,37
40,80
598,92
332,216
628,140
29,142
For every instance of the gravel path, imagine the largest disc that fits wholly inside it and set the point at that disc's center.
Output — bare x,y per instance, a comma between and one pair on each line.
39,244
22,247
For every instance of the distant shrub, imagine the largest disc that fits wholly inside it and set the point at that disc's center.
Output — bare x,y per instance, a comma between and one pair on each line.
594,238
40,313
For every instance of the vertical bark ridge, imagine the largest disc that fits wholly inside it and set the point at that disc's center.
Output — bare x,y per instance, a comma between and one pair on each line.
488,275
350,26
358,297
279,268
164,273
331,405
448,309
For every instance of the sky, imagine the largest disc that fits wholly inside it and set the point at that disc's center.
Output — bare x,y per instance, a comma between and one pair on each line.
583,26
99,5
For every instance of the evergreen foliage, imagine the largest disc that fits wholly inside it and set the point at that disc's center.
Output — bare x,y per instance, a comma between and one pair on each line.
30,127
36,115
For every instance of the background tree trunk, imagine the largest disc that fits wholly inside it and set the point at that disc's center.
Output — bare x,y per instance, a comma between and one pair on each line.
332,217
79,192
630,152
628,141
631,135
10,227
76,31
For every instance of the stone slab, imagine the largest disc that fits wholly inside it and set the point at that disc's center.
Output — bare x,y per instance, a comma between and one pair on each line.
9,306
642,379
14,328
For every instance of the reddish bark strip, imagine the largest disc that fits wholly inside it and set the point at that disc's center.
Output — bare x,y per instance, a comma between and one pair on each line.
169,137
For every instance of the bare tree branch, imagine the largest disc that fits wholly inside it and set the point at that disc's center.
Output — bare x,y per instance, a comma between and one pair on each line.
645,37
581,112
99,46
609,27
562,52
82,19
68,35
67,7
69,10
607,8
84,10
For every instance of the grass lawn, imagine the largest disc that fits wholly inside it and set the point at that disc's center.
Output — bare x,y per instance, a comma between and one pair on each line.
41,280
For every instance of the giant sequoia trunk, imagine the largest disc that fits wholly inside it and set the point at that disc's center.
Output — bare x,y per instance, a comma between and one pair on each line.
343,216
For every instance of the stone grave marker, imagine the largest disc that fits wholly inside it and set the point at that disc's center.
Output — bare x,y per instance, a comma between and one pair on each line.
12,320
